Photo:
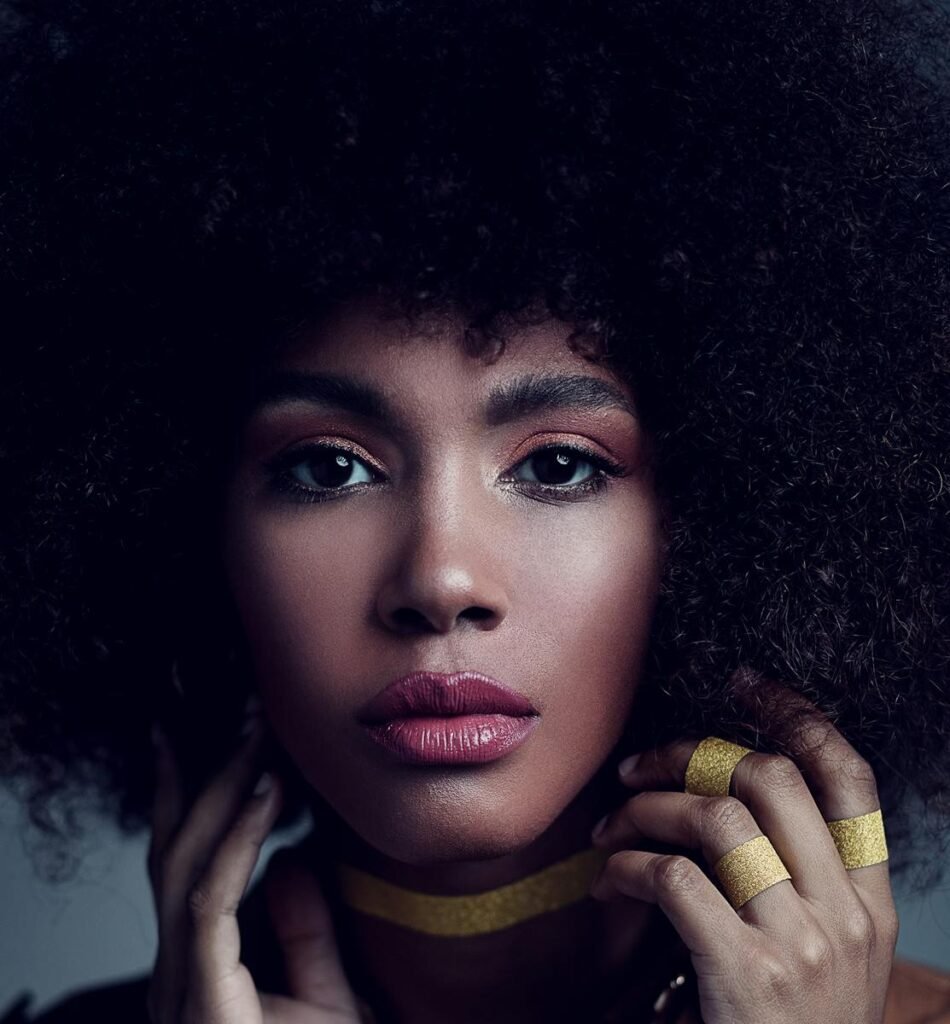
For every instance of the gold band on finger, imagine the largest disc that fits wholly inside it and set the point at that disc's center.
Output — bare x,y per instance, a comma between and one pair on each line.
749,869
860,840
710,768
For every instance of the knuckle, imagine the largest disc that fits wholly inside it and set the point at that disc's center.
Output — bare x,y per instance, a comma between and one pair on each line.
719,816
775,773
859,772
201,902
815,953
856,928
675,875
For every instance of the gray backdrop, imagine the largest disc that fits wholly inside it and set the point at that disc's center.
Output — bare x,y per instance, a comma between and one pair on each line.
98,927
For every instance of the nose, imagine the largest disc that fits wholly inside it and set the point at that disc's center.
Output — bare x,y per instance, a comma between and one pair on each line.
445,574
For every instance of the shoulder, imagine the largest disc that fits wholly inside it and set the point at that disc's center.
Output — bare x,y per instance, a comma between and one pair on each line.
121,1002
917,994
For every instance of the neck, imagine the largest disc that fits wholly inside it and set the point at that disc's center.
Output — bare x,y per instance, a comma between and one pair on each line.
562,965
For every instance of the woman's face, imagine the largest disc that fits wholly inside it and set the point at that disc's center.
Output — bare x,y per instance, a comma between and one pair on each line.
449,525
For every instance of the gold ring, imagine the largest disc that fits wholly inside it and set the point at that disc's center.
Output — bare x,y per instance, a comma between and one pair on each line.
749,869
710,768
860,840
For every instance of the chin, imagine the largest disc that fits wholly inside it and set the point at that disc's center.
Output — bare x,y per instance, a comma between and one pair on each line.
444,819
429,850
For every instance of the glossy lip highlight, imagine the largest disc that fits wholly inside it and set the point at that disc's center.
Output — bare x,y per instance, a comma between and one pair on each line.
458,718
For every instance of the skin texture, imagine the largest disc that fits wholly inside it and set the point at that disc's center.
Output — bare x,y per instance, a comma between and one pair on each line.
444,563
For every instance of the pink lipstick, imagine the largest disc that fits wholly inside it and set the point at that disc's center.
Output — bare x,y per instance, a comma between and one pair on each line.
458,718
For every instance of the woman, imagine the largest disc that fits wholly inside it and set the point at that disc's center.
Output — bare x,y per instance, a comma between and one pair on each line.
486,394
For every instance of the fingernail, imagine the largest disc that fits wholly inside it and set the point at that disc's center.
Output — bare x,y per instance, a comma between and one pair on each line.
627,765
599,827
264,784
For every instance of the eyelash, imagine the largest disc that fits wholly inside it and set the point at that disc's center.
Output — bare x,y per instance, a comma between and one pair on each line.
281,480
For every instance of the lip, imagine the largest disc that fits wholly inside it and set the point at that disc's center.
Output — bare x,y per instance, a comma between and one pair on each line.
455,718
441,694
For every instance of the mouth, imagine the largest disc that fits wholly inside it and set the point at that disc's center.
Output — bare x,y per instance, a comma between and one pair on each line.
459,718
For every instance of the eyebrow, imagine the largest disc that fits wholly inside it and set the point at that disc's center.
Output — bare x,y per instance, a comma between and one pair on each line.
511,400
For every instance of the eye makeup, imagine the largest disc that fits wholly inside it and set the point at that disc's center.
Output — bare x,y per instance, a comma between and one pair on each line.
339,461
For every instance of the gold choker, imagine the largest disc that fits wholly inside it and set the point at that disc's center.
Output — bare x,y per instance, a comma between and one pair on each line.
554,887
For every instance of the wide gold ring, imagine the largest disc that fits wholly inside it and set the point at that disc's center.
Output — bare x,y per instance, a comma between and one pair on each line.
860,840
749,869
710,768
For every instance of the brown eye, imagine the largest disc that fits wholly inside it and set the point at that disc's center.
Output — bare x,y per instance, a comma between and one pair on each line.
329,468
319,470
558,466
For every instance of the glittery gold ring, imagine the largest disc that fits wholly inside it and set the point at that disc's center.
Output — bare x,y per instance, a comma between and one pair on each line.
749,869
860,840
710,768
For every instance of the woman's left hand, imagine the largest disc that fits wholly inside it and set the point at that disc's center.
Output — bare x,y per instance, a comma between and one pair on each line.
815,948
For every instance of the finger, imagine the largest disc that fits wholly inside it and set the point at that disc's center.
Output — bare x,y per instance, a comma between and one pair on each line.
177,863
776,793
167,804
291,1011
841,780
304,928
698,911
714,825
216,977
208,819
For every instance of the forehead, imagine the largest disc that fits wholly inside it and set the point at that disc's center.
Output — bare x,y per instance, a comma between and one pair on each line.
426,357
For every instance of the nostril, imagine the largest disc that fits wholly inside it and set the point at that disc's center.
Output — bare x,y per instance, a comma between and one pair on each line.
478,614
409,620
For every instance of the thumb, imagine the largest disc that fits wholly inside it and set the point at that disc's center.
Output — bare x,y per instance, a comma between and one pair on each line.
302,923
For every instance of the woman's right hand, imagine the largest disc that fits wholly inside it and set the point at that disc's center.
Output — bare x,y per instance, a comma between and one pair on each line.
200,861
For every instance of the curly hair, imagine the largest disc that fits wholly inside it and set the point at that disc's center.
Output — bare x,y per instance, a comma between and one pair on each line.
742,208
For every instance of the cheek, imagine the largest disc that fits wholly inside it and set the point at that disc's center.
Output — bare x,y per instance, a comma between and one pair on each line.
590,592
303,584
580,587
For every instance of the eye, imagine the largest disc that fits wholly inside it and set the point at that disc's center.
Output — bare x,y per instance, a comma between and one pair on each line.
566,468
318,471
